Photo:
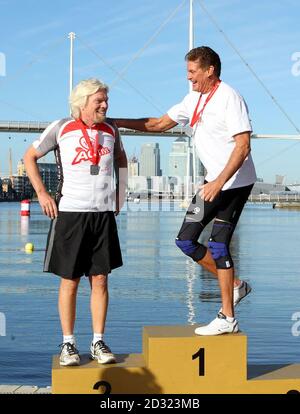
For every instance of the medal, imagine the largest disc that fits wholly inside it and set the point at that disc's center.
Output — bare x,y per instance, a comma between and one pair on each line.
94,169
94,150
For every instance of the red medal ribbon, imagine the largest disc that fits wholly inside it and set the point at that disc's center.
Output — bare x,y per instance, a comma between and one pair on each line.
94,149
198,115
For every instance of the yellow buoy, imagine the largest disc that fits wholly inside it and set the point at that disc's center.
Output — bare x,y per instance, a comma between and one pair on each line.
29,247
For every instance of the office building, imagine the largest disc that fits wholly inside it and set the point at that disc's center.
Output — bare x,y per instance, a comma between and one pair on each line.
49,176
21,168
178,158
150,160
133,167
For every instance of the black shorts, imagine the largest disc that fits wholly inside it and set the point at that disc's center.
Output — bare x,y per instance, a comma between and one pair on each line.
227,206
82,244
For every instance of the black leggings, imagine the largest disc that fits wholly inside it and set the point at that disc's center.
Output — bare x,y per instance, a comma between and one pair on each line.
226,209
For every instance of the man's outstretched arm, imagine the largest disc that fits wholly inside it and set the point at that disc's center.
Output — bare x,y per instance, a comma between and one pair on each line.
147,124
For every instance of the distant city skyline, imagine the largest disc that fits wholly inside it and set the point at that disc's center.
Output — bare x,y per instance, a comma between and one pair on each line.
164,160
144,178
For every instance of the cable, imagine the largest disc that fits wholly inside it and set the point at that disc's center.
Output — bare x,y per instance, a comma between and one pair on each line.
17,108
250,68
31,63
282,110
21,71
287,148
152,38
120,75
117,73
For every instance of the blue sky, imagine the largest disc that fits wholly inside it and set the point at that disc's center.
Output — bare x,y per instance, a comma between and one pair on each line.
146,42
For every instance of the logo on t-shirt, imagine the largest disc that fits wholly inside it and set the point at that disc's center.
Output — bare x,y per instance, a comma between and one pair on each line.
84,153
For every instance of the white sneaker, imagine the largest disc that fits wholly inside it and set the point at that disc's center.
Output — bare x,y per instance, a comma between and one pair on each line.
102,353
218,326
240,292
69,355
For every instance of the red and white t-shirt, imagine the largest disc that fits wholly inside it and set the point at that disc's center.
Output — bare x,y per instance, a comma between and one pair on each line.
78,189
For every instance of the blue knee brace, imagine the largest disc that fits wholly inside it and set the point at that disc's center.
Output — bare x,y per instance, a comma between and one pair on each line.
218,245
217,249
186,246
191,248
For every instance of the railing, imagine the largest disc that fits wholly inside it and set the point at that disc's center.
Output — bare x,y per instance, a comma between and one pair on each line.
271,198
23,126
35,127
38,127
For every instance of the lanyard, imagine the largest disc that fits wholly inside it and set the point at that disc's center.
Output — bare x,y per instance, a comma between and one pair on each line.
198,115
94,149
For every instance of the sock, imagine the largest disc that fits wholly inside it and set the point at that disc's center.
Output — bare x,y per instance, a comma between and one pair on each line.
229,319
97,337
69,338
239,286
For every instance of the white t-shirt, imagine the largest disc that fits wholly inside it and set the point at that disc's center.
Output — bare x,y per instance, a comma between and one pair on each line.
224,116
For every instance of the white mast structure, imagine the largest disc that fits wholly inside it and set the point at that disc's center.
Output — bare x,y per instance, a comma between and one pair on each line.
189,149
71,36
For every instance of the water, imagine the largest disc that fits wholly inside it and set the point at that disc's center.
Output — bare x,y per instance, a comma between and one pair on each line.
157,285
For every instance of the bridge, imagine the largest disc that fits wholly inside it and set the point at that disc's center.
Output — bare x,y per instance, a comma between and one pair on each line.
39,127
178,131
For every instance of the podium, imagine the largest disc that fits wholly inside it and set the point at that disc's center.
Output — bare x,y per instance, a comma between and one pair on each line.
176,361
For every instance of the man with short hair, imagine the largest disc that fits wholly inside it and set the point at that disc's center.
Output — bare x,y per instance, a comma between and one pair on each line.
221,133
83,237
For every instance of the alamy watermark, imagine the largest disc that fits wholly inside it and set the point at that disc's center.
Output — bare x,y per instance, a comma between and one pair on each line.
296,326
296,66
155,193
2,64
2,324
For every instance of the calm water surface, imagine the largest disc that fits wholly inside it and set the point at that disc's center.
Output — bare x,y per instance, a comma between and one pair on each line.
157,285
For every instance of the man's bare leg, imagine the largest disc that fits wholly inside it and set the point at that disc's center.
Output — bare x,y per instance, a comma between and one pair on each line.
67,304
99,302
209,264
225,277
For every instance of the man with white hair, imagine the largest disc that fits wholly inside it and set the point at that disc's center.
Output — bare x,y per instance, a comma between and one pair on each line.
83,237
